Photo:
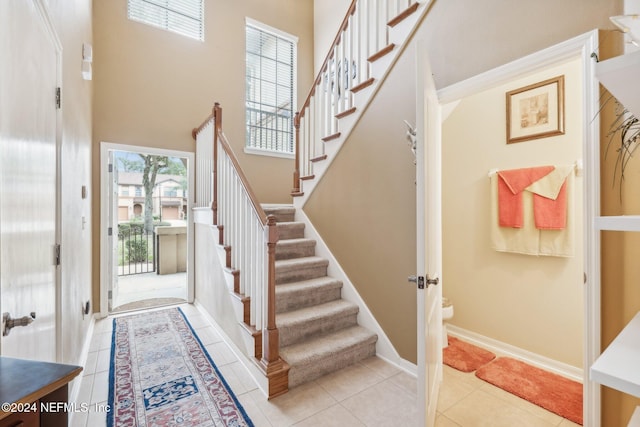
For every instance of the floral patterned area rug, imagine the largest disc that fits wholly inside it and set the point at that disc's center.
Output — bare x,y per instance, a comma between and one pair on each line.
161,375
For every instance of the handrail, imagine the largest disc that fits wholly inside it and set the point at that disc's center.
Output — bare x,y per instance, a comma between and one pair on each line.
325,63
363,38
224,143
196,131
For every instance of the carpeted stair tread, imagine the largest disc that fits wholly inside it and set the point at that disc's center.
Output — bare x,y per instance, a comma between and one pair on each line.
318,330
321,355
296,269
290,296
283,213
295,248
308,322
290,230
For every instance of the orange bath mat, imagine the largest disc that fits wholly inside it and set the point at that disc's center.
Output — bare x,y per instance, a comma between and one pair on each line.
553,392
465,357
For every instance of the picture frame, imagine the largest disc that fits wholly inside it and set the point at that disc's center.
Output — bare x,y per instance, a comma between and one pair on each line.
536,111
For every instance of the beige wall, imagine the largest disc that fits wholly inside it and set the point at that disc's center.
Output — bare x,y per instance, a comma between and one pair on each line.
466,38
534,303
152,86
365,208
72,19
327,17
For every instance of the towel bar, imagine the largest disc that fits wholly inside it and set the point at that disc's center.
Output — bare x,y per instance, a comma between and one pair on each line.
578,169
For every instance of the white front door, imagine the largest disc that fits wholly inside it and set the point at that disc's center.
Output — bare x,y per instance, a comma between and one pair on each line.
28,180
113,232
429,241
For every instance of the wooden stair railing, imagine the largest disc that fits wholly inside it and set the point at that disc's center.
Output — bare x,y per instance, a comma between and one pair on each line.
249,238
362,39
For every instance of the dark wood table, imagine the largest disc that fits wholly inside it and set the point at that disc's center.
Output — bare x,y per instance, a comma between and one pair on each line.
35,393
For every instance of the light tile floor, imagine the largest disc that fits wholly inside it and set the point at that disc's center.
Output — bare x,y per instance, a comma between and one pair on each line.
138,287
370,393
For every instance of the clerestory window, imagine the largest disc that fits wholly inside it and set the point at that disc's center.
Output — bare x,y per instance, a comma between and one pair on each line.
184,17
270,90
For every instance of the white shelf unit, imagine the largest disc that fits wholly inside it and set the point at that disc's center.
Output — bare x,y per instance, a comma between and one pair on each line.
620,76
618,366
618,223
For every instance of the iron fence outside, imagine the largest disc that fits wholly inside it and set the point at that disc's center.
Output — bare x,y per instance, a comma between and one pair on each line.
136,250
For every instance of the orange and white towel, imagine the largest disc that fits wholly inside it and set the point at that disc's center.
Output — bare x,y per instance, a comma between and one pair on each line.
528,239
511,184
550,199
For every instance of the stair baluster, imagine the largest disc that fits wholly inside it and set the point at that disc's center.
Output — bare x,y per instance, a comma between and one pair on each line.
362,39
249,237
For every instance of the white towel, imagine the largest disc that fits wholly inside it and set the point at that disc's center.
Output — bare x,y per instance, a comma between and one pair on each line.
528,239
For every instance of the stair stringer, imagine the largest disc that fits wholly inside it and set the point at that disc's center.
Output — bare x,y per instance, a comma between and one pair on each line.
384,347
401,35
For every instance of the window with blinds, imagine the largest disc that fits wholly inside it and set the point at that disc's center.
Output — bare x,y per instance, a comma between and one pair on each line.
184,17
270,95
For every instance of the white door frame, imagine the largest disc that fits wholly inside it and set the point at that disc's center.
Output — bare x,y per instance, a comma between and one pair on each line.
105,147
582,46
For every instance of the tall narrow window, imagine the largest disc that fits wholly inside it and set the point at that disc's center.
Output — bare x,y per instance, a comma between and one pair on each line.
184,17
270,89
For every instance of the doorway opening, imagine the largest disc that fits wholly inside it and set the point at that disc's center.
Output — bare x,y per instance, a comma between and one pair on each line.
508,300
146,204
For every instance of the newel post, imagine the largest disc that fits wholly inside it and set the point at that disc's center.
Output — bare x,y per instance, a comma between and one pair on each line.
296,171
217,127
276,369
270,349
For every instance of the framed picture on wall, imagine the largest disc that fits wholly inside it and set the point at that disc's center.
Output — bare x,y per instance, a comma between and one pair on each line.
536,111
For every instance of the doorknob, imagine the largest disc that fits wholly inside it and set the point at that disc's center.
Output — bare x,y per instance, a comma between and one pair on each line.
433,281
420,280
9,323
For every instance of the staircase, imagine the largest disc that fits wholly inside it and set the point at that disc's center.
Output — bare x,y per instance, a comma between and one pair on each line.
319,332
370,40
294,323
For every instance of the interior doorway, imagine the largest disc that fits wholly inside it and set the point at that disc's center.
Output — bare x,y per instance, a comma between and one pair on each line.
147,246
493,286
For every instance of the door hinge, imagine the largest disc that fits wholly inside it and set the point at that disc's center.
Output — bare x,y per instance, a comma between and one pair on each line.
58,98
57,254
110,167
110,231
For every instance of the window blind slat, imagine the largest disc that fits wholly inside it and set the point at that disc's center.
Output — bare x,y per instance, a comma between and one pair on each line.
184,17
270,63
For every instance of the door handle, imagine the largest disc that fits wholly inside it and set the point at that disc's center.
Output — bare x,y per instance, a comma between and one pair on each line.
9,323
433,281
420,280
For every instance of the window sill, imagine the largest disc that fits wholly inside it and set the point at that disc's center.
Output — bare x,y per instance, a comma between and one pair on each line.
270,153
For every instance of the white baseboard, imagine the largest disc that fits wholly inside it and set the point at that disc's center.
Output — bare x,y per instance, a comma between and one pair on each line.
504,349
82,361
259,378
